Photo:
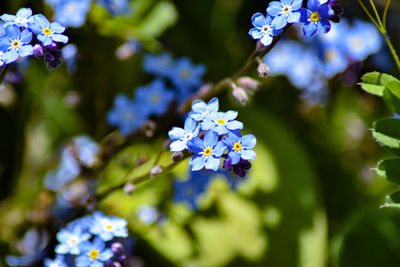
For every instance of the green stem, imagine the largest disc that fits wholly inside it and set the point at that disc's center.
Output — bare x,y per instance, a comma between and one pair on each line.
369,14
376,14
385,13
392,50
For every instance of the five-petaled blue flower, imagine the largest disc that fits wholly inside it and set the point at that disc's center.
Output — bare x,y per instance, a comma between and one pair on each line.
48,32
70,13
160,64
15,43
315,18
263,29
93,254
200,109
108,227
222,122
21,19
284,12
70,240
184,75
240,147
208,152
57,262
182,136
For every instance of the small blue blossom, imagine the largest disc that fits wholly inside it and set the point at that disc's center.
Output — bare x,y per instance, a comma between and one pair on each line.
284,12
70,53
70,240
208,151
86,150
93,254
315,18
15,43
222,122
263,29
200,109
57,262
160,64
184,75
47,32
182,136
147,214
108,227
71,13
116,7
21,19
154,98
240,147
334,61
126,115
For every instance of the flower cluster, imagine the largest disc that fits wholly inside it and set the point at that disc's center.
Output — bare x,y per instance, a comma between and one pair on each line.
315,18
212,135
308,66
91,241
17,39
73,13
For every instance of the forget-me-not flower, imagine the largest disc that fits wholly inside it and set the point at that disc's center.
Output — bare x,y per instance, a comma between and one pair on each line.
108,227
208,151
57,262
47,32
70,53
240,147
71,13
182,136
222,122
70,240
263,29
116,7
315,18
15,43
93,254
21,19
284,12
160,64
186,75
200,109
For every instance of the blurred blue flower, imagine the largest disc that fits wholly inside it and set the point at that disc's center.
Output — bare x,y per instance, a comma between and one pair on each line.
200,109
93,254
16,43
126,115
108,227
147,214
284,12
160,64
185,76
21,19
87,150
334,61
154,98
263,29
222,122
70,53
70,13
116,7
315,18
182,136
47,32
207,152
70,240
57,262
240,147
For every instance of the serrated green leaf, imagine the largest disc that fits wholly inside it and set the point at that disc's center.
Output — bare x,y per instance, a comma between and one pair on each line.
387,132
389,169
391,100
374,82
392,201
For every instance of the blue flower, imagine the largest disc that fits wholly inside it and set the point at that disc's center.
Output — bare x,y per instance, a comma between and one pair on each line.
158,64
263,29
16,43
315,18
126,115
200,109
116,7
2,62
93,254
71,13
335,61
108,227
22,18
47,32
147,214
70,53
184,75
222,122
284,12
182,136
188,191
240,147
208,152
86,150
154,98
57,262
70,240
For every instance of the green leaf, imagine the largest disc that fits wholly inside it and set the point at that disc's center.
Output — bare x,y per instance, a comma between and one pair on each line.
389,169
394,87
387,132
391,100
374,82
392,201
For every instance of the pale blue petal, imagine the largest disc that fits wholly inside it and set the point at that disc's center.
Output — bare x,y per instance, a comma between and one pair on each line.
313,5
324,26
106,254
234,156
249,141
258,20
190,124
256,33
13,32
26,36
178,146
266,40
56,27
59,38
279,22
213,163
82,261
309,29
210,138
46,40
294,17
62,249
213,105
196,145
219,149
25,50
297,4
24,12
248,154
176,133
10,56
234,125
197,163
231,115
7,17
199,106
274,8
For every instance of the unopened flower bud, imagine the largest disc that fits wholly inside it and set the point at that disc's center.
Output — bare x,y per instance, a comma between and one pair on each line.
149,128
263,70
129,188
177,156
248,83
117,248
240,95
155,171
38,50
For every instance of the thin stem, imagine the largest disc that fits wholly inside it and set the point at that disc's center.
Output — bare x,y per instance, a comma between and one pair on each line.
369,15
392,50
385,12
376,14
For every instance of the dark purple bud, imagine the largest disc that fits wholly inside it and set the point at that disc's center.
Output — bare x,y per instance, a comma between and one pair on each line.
245,164
49,58
227,164
117,248
54,64
121,257
239,171
117,264
177,156
38,50
56,53
52,47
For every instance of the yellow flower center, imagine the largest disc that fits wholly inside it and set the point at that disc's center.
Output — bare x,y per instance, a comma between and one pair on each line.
94,254
73,241
207,152
237,146
47,31
330,55
314,17
109,227
221,122
16,44
185,74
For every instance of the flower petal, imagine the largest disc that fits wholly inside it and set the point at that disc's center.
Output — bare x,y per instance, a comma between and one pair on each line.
258,20
213,163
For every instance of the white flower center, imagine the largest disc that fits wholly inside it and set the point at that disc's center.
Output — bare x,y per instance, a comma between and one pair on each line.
20,20
266,29
286,10
73,241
